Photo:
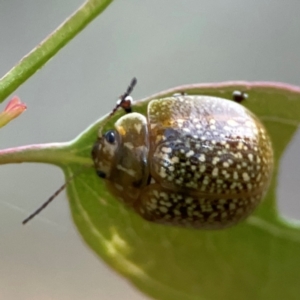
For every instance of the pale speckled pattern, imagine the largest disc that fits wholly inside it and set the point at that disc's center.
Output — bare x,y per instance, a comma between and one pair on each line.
210,162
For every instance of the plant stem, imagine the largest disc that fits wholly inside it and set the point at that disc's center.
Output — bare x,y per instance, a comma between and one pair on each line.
52,153
50,46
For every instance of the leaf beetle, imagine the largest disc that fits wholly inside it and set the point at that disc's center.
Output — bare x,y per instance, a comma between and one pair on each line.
192,161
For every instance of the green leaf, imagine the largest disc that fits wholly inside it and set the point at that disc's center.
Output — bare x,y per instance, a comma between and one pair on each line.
258,259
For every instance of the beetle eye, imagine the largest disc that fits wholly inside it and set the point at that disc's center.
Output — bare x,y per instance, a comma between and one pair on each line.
101,174
110,136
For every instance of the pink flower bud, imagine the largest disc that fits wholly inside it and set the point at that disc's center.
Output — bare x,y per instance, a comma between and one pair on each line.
13,109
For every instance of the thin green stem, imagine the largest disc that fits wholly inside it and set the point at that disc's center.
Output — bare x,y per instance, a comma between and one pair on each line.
50,46
54,153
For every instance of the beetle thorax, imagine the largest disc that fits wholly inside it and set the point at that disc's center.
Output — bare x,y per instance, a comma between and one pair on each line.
123,161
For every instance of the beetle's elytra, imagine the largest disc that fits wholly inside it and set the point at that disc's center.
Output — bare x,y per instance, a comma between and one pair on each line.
192,161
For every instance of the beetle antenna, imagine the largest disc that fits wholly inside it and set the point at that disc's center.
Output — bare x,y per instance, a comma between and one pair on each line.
45,204
123,102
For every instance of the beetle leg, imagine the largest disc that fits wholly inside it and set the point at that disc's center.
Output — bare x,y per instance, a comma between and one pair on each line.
239,96
179,94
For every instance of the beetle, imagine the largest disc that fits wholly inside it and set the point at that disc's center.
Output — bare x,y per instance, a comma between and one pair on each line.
192,161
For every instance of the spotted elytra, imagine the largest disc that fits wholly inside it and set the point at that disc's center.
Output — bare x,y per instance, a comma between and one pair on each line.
191,161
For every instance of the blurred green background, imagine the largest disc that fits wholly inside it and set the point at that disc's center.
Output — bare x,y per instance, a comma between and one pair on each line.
163,43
